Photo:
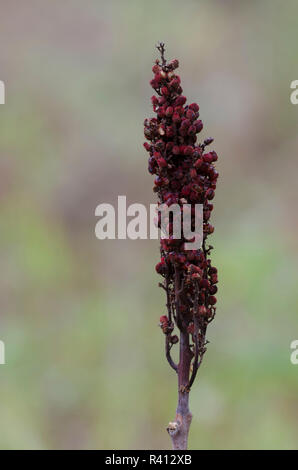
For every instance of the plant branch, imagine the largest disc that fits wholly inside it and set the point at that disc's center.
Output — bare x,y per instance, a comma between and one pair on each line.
196,364
168,348
161,47
179,429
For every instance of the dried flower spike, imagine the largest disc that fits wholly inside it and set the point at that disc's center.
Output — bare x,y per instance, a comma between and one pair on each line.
184,173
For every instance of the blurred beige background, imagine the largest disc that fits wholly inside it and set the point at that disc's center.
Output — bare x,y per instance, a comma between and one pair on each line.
85,357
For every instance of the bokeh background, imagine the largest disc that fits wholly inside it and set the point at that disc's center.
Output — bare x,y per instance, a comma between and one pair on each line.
79,317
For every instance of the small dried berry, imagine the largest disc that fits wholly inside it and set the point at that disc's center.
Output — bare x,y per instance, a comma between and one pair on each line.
174,339
194,107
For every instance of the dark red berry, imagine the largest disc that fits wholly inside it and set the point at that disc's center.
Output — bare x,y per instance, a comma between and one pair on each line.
194,107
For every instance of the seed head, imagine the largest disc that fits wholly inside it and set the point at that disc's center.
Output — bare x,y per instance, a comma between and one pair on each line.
184,174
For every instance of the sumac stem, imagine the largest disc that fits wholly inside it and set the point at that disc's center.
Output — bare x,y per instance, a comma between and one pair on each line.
179,429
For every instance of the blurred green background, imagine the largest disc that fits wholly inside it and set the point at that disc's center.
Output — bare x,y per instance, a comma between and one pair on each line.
85,357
